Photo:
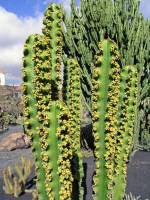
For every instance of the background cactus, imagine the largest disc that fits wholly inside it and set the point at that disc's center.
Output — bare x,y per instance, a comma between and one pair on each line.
144,109
131,197
24,171
12,184
15,179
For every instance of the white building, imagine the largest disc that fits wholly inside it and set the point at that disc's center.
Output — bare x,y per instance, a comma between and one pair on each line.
2,78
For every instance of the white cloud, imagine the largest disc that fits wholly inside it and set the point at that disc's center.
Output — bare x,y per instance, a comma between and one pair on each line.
13,32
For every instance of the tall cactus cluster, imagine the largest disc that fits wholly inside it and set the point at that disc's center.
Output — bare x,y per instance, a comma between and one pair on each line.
124,24
53,127
114,99
52,113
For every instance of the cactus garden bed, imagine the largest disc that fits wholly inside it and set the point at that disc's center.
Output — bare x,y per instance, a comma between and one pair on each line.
138,174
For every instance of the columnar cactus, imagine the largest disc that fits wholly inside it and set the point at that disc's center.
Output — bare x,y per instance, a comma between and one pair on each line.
73,101
31,112
53,36
114,104
55,124
105,97
54,129
66,154
48,117
125,118
52,118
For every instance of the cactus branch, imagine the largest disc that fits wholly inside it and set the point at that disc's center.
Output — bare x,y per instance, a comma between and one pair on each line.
106,78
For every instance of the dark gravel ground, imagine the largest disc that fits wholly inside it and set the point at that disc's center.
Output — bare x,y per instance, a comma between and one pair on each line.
138,174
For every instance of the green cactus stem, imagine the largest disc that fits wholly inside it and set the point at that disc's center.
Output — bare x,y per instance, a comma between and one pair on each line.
105,97
47,115
66,81
53,35
73,101
125,123
31,113
65,157
53,129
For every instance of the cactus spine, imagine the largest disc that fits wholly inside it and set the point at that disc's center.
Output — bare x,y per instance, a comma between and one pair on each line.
106,79
125,118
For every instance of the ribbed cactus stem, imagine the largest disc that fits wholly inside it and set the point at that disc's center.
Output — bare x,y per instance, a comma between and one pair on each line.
105,96
31,112
66,82
53,129
65,154
53,34
47,113
125,123
74,104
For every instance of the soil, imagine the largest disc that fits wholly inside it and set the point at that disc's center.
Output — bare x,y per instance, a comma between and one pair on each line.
138,173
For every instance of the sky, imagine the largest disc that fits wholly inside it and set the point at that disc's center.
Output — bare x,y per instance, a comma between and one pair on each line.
20,18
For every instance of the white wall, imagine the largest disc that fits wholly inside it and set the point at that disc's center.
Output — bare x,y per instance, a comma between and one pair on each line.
2,79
